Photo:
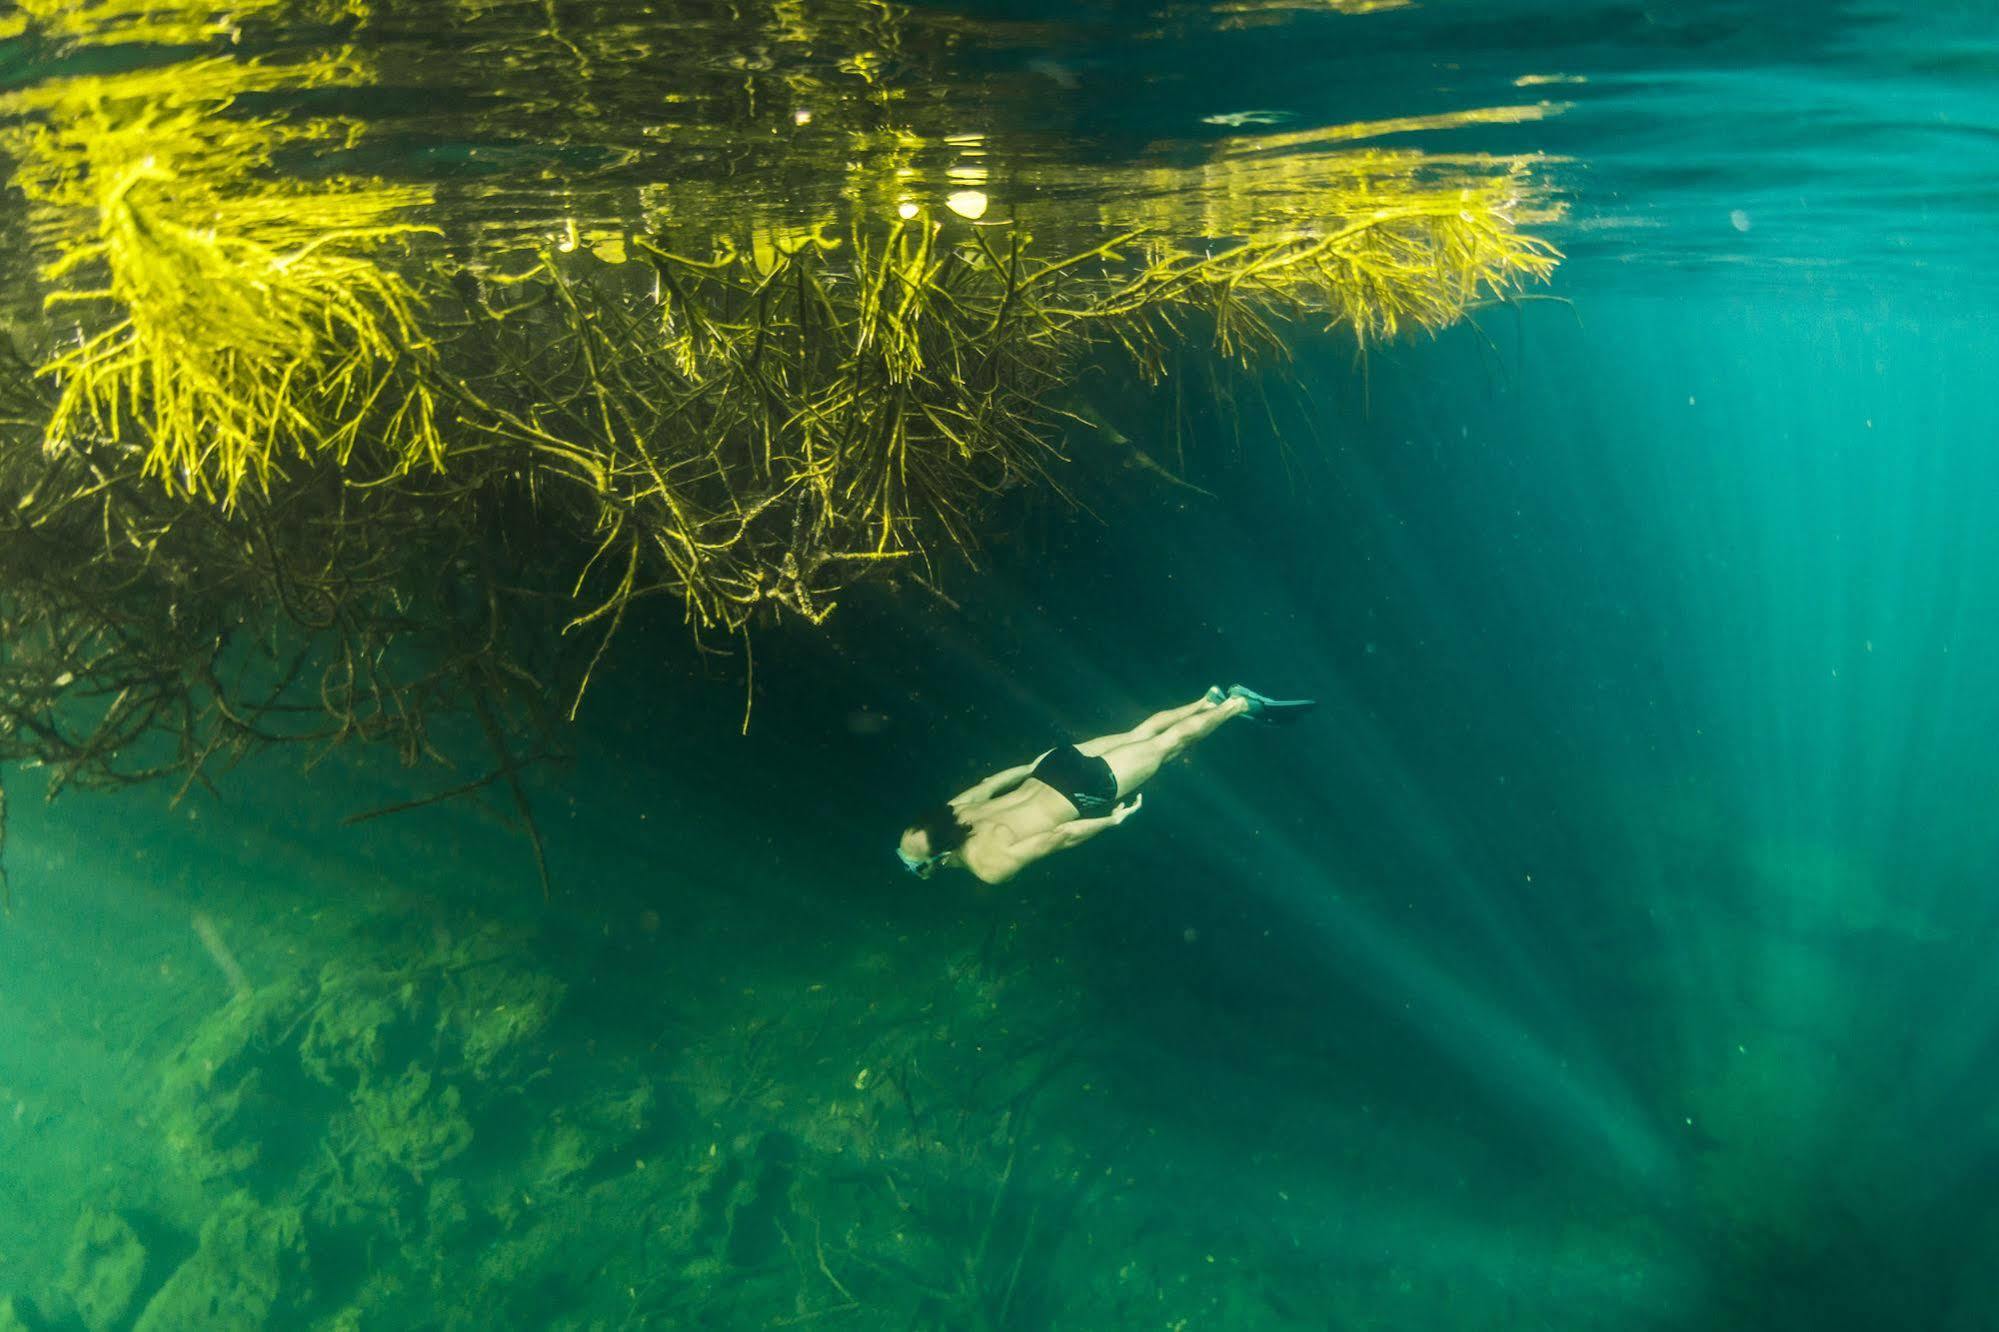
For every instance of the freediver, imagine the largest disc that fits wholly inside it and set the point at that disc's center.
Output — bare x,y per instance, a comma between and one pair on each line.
1068,795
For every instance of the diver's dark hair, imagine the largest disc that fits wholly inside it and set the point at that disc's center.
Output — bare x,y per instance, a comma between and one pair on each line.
943,827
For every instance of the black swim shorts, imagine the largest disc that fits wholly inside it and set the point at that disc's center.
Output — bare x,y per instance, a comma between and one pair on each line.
1089,783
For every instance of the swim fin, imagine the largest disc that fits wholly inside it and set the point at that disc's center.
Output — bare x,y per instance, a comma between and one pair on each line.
1273,709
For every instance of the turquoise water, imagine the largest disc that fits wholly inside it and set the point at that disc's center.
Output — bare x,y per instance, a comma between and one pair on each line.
1612,949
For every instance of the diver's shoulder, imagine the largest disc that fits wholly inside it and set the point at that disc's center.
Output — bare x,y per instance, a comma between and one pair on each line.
989,860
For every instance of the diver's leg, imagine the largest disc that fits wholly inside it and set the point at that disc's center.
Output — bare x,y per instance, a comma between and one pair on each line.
1200,725
1160,722
1135,763
1157,723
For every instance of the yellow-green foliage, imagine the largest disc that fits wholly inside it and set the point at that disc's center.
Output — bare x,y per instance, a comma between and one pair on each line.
797,324
795,404
1383,261
105,22
226,320
235,320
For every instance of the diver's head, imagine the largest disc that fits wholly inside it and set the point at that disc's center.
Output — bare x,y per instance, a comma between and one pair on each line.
928,841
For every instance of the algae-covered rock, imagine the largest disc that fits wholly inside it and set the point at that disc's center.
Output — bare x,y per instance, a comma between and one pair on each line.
247,1275
500,1011
358,1014
363,1190
446,1210
469,1006
595,1129
405,1122
733,1210
102,1272
216,1095
494,1000
13,1316
562,1151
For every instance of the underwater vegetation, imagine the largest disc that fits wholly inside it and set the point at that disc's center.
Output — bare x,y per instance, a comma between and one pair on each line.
313,437
303,445
805,331
414,1116
411,1125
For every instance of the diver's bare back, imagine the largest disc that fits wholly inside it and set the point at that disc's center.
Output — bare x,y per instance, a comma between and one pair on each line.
1010,832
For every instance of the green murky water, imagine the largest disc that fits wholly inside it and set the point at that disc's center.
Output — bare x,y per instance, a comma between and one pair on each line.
1611,949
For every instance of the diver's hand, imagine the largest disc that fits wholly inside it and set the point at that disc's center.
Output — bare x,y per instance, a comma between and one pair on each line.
1123,812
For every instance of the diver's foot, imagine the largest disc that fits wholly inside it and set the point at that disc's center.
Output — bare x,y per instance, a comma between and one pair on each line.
1216,695
1265,709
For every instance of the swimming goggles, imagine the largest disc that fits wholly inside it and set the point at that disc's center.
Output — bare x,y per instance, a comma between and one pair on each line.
921,866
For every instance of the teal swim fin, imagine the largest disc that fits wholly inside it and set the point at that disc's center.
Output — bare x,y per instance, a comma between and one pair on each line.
1273,709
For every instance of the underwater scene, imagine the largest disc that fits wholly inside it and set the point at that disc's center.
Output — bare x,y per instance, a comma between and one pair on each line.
1292,665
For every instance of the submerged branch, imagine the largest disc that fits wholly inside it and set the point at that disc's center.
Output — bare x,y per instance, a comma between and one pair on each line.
298,468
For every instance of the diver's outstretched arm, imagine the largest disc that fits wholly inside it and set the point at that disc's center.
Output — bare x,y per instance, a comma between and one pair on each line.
1074,833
